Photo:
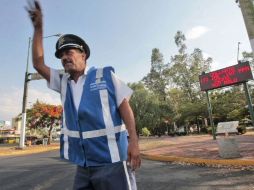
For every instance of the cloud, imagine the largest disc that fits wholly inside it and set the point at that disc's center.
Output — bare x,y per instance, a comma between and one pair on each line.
11,101
196,32
47,97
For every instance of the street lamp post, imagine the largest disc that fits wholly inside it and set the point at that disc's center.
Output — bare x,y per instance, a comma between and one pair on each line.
23,123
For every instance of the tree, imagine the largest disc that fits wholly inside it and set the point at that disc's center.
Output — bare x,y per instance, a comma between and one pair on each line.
176,97
182,74
155,80
43,115
177,79
144,107
184,69
248,56
148,110
228,104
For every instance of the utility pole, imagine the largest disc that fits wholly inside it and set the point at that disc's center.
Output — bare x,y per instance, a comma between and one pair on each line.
23,123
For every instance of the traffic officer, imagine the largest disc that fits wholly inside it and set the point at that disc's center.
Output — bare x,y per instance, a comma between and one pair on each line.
97,117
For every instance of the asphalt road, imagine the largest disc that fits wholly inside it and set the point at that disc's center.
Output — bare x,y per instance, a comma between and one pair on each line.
45,171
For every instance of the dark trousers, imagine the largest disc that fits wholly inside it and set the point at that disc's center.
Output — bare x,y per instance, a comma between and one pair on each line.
115,176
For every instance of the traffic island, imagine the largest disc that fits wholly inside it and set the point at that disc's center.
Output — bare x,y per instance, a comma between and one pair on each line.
201,162
201,150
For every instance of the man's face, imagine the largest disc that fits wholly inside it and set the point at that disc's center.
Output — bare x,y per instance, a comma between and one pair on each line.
73,60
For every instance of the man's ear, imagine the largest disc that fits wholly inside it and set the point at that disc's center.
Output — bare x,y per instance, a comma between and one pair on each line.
84,55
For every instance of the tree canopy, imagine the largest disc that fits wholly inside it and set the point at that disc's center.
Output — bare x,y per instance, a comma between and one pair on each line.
43,115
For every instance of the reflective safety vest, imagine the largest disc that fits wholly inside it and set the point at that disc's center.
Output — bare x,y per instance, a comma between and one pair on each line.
95,135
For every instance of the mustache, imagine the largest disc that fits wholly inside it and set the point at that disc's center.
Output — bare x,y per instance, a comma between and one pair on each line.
64,62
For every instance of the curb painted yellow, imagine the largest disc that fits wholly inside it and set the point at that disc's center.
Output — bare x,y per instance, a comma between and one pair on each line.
17,152
200,161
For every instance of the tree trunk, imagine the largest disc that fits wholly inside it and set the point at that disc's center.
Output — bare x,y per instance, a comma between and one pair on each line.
197,125
50,135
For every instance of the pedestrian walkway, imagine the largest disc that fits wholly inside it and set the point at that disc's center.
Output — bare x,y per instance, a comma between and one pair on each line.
197,149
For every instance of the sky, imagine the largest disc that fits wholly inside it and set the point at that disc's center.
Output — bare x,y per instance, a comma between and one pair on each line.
119,33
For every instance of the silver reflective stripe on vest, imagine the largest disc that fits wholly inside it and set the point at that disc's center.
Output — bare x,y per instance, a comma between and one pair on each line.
67,132
92,134
102,132
113,148
99,75
63,97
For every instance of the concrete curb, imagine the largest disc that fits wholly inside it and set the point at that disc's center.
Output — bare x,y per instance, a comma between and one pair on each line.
198,161
26,151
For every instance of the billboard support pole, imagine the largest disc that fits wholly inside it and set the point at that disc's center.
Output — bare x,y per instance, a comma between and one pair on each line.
209,106
246,89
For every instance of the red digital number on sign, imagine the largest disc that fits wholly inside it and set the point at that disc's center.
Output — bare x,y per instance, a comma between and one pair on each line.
224,77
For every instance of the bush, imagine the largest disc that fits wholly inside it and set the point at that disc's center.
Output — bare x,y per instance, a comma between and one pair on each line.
158,131
241,129
172,134
145,132
204,130
210,130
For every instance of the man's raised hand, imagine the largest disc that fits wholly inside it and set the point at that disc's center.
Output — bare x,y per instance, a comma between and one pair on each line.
35,13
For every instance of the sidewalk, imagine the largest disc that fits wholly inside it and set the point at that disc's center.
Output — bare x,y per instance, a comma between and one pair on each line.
197,149
12,150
